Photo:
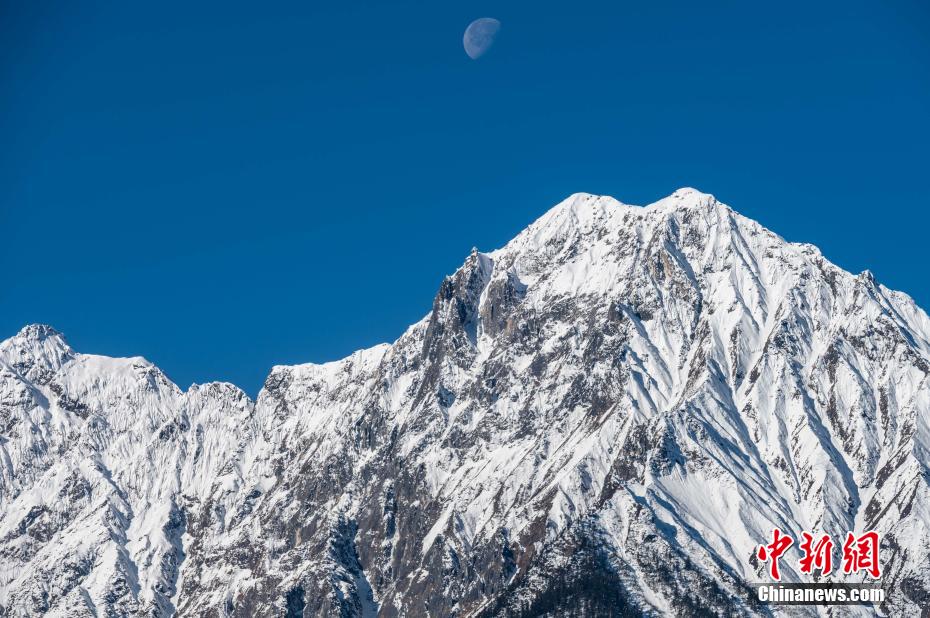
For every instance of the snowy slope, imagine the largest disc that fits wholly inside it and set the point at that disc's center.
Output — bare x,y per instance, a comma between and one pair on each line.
613,410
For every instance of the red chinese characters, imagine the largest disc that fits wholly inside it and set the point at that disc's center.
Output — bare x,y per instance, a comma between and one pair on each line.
774,550
817,555
861,554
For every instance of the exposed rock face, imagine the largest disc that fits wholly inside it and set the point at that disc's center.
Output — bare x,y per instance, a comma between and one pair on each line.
605,417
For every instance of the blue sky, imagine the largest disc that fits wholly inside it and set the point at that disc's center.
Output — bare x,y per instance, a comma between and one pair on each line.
225,187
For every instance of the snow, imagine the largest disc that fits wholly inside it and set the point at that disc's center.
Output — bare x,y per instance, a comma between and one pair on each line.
720,379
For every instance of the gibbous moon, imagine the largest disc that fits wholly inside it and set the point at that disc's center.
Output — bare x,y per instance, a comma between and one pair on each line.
479,36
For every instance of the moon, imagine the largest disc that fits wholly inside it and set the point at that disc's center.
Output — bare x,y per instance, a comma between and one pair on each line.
479,36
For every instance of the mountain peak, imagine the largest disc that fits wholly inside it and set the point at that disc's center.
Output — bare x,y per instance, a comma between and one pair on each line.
36,337
688,192
38,332
588,210
686,197
36,344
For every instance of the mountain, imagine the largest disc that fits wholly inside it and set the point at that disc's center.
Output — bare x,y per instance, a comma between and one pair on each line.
607,416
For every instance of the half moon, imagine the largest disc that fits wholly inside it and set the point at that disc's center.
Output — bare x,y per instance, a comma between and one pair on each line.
479,36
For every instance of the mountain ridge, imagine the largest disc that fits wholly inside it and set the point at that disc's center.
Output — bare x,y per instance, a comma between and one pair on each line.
631,396
45,330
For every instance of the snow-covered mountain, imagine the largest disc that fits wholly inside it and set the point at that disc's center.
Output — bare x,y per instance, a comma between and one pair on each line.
607,416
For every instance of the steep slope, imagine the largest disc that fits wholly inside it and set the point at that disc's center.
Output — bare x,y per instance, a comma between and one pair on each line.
608,414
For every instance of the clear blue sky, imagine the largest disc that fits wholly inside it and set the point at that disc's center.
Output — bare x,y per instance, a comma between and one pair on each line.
221,188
